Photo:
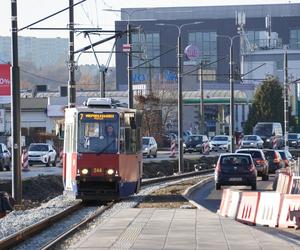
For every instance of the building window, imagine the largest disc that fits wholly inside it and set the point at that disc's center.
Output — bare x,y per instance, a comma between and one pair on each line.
145,47
207,44
295,39
259,40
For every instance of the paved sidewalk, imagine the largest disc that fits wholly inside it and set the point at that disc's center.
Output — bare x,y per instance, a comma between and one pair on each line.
179,229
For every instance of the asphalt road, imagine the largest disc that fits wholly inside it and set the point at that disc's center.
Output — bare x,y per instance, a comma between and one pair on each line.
210,198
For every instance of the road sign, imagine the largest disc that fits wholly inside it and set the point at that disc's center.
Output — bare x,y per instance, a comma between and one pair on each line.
127,48
192,52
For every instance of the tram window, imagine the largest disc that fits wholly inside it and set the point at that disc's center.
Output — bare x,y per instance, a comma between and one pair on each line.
122,140
130,140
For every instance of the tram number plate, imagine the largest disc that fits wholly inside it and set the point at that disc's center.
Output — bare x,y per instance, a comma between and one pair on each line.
97,170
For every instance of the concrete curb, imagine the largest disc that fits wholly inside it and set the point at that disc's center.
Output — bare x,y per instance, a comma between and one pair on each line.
201,183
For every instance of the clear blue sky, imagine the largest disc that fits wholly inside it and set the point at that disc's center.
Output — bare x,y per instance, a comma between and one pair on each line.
91,14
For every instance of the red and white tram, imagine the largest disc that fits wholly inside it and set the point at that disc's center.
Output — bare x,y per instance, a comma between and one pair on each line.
102,157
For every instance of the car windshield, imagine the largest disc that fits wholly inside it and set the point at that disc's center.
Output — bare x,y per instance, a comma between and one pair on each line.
292,136
98,132
250,138
37,147
235,160
220,138
195,138
254,154
263,129
269,154
146,141
282,154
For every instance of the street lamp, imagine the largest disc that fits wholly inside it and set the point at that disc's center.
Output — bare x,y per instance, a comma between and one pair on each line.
129,54
231,80
179,79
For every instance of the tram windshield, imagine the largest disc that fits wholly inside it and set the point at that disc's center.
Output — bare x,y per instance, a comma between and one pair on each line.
98,133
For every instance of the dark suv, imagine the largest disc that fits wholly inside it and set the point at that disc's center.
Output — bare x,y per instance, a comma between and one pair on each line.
260,161
274,159
235,169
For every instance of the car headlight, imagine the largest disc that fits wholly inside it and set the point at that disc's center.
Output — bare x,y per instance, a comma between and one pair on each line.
110,171
268,140
84,171
146,148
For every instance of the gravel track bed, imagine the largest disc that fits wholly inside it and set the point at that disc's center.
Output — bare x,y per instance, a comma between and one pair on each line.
18,220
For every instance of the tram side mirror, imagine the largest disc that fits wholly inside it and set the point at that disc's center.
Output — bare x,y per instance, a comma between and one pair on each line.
132,123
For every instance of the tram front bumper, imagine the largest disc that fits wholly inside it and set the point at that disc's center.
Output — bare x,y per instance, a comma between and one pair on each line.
102,188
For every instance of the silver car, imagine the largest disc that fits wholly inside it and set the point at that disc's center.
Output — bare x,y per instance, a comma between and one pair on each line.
220,142
149,147
252,141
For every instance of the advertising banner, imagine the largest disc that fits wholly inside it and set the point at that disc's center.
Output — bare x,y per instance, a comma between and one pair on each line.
4,83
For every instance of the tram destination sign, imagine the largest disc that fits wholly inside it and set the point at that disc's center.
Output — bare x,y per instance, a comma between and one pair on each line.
97,116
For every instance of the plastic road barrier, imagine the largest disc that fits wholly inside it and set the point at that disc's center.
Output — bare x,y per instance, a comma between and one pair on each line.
224,202
248,207
290,211
283,184
269,209
295,185
234,204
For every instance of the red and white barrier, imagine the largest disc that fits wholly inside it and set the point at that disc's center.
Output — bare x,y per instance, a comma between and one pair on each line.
61,155
269,209
206,148
234,204
290,211
274,143
248,207
295,185
224,202
283,183
24,160
173,149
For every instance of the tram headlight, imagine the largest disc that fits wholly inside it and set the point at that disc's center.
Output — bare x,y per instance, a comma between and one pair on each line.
110,171
85,171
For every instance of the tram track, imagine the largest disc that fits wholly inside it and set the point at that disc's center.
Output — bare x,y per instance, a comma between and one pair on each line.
35,229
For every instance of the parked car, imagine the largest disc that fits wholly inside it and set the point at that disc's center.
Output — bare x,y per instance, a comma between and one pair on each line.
195,143
5,158
220,142
274,159
287,157
252,141
235,169
149,147
259,160
42,153
294,140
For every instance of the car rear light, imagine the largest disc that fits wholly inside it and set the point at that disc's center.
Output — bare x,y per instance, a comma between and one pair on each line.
252,168
218,167
260,161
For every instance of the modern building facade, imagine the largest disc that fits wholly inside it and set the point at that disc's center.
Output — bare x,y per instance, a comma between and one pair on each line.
41,52
257,33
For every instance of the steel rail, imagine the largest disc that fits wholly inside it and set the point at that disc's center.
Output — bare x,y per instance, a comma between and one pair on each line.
26,233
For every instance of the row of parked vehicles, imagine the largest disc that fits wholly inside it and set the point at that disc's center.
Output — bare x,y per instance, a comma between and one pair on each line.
243,166
38,153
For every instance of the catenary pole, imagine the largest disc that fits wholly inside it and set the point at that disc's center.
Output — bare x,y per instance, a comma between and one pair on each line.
71,83
15,109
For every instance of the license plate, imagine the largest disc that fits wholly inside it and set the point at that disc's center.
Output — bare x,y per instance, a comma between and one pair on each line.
97,170
235,179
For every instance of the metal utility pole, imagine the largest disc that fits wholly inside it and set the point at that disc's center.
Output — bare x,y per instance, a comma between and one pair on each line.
102,82
129,66
180,120
201,101
286,111
15,109
71,83
231,81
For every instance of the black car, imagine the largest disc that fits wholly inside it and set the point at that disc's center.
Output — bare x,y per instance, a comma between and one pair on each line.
260,161
235,169
5,158
195,143
274,159
294,140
